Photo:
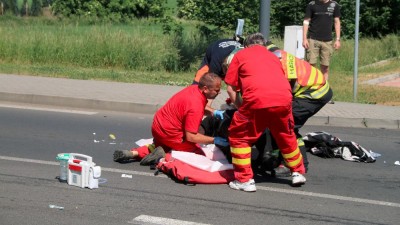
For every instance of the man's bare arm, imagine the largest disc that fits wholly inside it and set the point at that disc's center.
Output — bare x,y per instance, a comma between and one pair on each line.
198,138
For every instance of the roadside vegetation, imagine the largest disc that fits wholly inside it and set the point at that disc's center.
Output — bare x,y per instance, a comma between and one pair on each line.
166,51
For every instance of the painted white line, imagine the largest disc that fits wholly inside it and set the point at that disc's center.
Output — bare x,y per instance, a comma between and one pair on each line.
113,170
40,108
29,160
328,196
145,219
280,190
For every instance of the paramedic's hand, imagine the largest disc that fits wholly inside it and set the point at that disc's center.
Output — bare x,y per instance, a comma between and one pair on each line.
221,141
219,114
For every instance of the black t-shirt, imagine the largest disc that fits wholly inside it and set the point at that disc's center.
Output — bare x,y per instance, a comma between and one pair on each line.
216,53
322,15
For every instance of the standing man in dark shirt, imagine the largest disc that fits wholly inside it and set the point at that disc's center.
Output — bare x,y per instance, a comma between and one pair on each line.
319,18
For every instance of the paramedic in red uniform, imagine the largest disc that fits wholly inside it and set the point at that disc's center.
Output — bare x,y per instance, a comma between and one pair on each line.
266,103
176,124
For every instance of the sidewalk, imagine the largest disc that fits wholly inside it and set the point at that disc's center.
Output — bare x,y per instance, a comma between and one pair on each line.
145,98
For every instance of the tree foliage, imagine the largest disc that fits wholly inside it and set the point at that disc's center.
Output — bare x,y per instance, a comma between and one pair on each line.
10,6
221,13
115,10
23,7
377,17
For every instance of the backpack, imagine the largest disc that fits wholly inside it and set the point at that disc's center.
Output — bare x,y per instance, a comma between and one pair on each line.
325,145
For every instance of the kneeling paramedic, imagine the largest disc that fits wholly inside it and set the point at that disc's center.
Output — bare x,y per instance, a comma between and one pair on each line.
176,124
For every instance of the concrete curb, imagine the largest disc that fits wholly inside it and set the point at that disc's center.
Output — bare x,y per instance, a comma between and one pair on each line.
354,122
382,79
80,103
132,107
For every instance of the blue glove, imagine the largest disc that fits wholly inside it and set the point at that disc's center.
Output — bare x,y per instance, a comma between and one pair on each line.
219,114
221,141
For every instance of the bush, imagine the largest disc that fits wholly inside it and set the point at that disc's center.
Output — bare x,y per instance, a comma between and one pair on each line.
109,10
36,8
378,18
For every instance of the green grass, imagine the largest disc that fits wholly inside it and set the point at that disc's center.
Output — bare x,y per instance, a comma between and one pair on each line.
107,74
87,46
139,52
369,51
341,74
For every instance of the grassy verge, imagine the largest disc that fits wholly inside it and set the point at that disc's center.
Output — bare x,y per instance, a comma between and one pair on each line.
370,51
106,74
139,52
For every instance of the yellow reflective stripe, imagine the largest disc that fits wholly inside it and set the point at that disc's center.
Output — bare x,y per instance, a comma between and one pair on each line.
151,147
300,142
313,75
317,94
295,162
300,91
291,66
292,154
320,78
241,162
271,46
320,92
246,150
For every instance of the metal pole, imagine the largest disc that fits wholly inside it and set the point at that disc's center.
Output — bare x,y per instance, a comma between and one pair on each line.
265,9
355,79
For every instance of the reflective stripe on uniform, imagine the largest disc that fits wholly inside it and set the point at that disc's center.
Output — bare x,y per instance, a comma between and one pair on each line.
151,147
240,151
294,163
300,142
317,94
314,78
292,154
310,82
241,156
291,72
241,162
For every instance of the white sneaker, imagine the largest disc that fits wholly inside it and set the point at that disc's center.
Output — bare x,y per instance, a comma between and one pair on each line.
298,179
248,186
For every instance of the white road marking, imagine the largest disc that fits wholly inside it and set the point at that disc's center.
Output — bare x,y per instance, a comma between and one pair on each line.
280,190
42,108
145,219
328,196
29,160
113,170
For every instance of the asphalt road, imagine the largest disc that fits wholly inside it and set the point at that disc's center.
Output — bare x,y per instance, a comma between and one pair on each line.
337,191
